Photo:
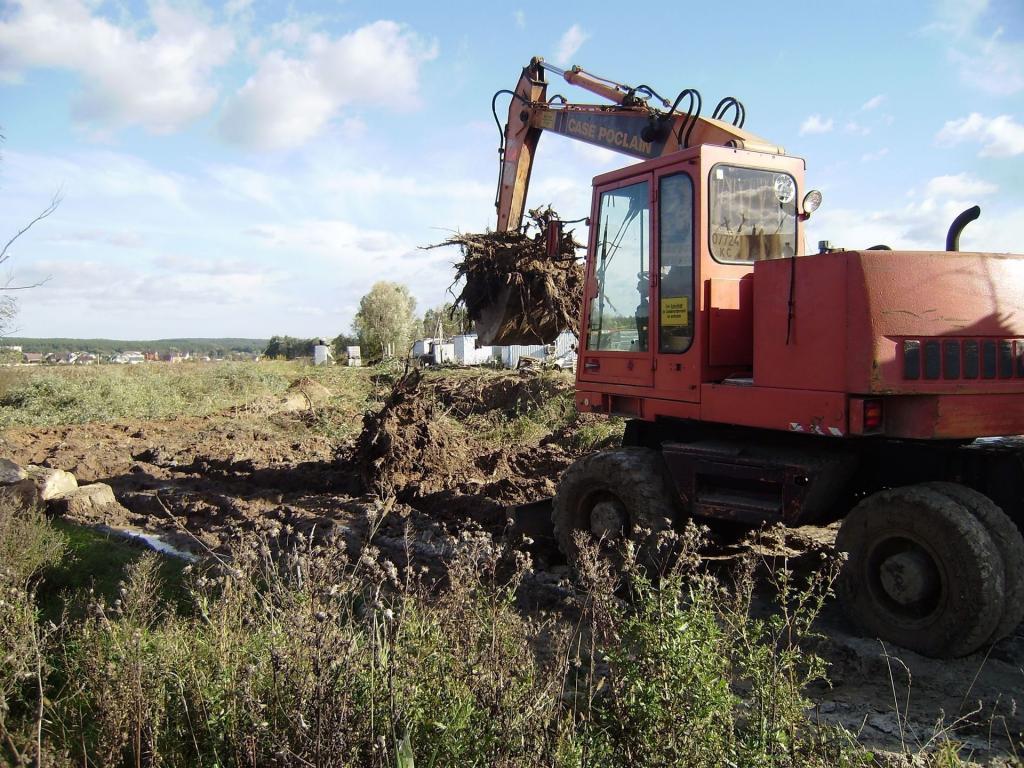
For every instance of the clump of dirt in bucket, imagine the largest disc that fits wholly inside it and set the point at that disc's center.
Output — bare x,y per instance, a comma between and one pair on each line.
514,292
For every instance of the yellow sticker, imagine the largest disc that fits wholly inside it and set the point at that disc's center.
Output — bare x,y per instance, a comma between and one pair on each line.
675,311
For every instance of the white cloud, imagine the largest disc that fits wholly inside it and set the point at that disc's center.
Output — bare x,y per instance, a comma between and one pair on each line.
92,284
570,43
922,223
856,128
961,184
873,103
294,28
986,60
520,18
181,252
991,64
191,265
332,238
999,136
954,16
283,105
160,79
816,124
115,176
291,99
246,183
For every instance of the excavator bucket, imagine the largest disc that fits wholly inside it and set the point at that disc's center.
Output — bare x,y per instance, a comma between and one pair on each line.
506,320
520,288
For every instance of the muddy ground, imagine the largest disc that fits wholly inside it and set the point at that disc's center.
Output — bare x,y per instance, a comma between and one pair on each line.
427,486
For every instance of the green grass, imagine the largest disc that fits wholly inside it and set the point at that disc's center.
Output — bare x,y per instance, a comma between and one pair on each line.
97,564
52,396
68,395
353,392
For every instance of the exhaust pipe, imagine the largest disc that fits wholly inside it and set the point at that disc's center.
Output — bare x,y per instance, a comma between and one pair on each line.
961,221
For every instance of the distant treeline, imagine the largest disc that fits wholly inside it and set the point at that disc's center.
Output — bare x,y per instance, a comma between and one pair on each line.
211,347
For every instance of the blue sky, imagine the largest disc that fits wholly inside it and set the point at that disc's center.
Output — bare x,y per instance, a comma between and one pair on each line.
251,168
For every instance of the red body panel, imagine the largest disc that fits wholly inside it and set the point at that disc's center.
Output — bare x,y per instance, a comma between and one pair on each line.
731,323
852,311
793,410
955,416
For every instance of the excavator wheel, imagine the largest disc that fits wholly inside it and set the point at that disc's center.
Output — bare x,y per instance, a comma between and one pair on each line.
613,495
1008,540
922,572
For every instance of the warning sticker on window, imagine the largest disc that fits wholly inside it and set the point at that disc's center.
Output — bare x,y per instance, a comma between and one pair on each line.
675,311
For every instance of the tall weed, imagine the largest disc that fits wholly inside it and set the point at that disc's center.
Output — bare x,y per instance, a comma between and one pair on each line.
311,654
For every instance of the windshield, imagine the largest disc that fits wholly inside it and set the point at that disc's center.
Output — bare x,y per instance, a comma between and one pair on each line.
753,214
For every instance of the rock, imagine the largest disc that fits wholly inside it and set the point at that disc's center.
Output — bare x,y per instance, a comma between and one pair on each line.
51,482
88,504
10,472
887,722
23,493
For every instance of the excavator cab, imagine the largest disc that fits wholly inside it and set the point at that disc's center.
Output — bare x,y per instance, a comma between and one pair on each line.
668,299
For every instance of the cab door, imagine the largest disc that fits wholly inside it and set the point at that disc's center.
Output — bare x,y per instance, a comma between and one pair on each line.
677,364
616,343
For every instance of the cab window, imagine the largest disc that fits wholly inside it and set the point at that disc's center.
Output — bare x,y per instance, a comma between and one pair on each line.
753,214
619,314
675,247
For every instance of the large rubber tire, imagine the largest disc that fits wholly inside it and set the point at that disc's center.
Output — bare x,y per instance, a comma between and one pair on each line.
961,592
636,479
1008,540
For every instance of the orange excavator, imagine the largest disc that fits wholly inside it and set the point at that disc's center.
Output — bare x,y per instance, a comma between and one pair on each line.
765,385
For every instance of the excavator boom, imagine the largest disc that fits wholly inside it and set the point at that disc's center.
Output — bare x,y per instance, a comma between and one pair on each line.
628,125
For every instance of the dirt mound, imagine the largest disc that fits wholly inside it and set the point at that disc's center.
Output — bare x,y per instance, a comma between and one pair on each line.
410,445
305,395
510,394
416,444
514,292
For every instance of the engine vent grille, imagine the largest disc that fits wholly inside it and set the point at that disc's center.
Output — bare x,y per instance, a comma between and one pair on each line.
937,359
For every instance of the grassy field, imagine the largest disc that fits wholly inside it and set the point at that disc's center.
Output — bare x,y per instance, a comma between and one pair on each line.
47,396
313,654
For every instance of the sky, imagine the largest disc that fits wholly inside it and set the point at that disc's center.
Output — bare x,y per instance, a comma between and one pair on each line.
251,168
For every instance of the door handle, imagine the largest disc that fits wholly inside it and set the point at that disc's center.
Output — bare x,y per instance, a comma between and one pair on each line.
592,365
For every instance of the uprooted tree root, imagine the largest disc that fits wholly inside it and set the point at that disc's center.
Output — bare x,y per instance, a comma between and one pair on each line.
514,291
